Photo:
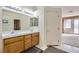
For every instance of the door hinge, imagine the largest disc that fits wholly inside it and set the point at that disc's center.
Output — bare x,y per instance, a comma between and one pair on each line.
58,40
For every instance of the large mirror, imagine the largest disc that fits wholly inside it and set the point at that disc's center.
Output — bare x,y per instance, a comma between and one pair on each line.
14,21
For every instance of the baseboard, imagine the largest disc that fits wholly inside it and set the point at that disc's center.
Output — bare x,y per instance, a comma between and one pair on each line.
42,48
51,45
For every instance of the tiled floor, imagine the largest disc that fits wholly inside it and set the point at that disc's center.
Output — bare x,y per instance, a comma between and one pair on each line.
33,50
56,49
52,49
48,50
68,48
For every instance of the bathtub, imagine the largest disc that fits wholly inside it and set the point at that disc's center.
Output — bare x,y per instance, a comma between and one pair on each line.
70,39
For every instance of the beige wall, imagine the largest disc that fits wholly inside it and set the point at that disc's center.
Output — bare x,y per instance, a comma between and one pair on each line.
10,16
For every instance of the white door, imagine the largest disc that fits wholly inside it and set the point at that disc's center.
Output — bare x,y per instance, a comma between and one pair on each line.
53,32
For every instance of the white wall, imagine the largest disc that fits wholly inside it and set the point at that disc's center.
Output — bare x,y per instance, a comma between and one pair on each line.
10,16
1,41
42,42
42,27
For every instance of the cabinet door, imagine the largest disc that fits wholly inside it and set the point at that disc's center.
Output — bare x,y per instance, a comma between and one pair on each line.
27,45
12,40
28,42
35,39
14,47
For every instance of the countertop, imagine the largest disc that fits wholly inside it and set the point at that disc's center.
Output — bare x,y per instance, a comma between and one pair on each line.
10,34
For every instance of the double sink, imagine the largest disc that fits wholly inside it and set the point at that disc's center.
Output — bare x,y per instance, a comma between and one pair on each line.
9,34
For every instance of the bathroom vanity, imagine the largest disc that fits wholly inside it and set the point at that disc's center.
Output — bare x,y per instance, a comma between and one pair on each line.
19,31
19,43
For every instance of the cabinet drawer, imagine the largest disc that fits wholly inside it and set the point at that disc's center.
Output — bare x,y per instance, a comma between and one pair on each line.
35,34
14,47
35,40
27,41
27,37
11,40
28,45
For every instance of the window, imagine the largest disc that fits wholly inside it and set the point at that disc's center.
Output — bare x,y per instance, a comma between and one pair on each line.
71,25
76,26
34,22
67,23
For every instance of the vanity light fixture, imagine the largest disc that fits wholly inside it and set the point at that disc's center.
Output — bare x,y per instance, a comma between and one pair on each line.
19,9
14,8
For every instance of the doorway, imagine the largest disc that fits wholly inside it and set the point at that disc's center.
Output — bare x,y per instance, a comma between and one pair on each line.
53,25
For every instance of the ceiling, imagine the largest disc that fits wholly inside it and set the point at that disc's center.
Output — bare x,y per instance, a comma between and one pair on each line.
31,8
70,10
66,10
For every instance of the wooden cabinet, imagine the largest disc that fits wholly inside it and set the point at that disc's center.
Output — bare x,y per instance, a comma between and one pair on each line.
20,43
13,45
28,42
35,39
12,40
